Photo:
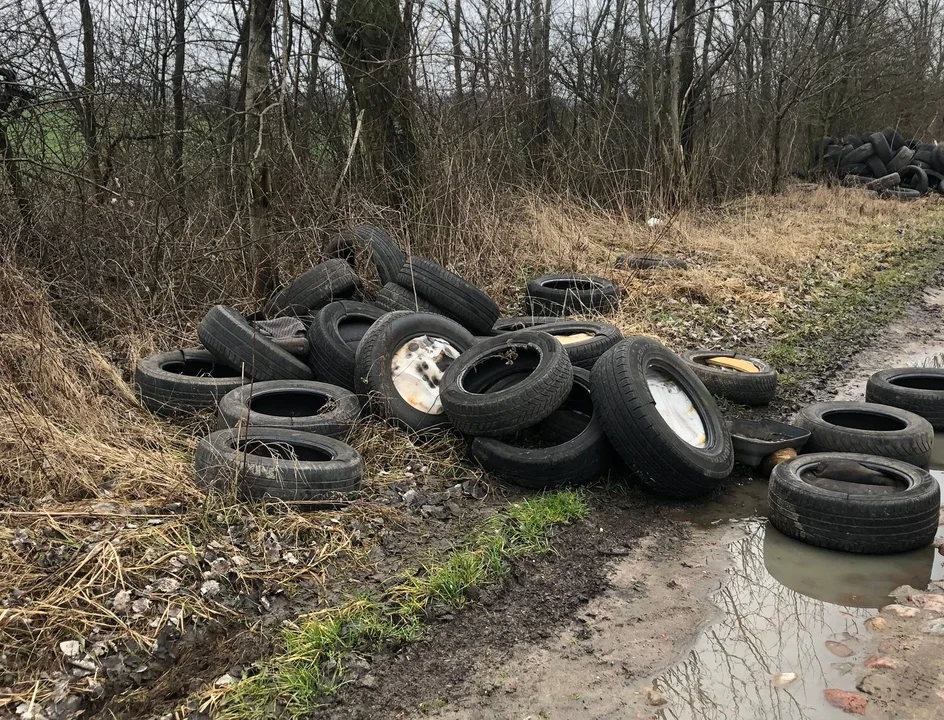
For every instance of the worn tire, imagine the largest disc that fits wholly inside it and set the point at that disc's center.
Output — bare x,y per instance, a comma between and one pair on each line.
917,390
334,335
331,280
226,334
914,178
584,353
853,522
869,429
322,469
664,462
859,155
183,381
738,387
303,405
375,367
567,293
455,297
506,383
900,160
854,169
393,297
882,149
382,252
894,138
578,452
876,167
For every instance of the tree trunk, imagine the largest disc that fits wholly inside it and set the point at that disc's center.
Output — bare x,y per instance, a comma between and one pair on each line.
177,90
541,82
686,40
88,91
372,39
259,95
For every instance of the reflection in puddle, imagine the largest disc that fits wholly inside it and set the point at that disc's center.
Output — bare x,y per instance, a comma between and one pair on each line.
788,608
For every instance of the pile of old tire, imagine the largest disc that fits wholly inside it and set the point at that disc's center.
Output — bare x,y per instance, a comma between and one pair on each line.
864,486
883,161
538,421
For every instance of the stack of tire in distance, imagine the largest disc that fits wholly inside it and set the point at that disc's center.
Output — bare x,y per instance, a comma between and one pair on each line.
544,400
883,161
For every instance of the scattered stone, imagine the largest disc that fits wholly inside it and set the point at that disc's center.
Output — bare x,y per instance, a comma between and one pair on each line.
141,606
883,662
368,681
928,601
935,627
121,603
839,649
412,497
849,702
167,584
210,588
877,623
70,648
900,610
655,698
224,680
781,680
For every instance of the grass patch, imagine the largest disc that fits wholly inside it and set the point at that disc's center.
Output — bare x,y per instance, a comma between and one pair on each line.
320,646
841,314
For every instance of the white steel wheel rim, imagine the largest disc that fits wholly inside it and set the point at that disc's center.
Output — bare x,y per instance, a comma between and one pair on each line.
677,408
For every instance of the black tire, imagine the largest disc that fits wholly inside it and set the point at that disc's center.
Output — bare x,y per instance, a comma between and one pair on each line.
584,353
937,158
377,363
867,428
914,178
331,280
295,404
901,160
567,293
649,262
506,383
380,248
876,166
183,381
923,154
334,335
895,140
226,334
917,390
739,387
882,149
278,464
392,297
903,194
662,459
854,169
578,452
887,182
455,297
521,322
829,515
859,155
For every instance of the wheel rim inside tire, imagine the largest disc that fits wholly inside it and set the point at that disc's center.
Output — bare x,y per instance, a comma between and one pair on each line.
872,421
289,404
676,408
417,369
200,368
281,450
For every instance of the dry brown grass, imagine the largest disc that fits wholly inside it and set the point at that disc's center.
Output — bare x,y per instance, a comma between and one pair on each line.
99,498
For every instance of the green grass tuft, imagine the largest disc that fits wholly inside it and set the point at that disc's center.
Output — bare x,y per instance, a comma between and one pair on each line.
320,645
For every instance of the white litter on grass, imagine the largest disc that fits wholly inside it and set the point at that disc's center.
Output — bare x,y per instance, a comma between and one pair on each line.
655,222
70,648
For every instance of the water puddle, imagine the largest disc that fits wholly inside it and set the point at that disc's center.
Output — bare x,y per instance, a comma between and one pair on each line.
788,608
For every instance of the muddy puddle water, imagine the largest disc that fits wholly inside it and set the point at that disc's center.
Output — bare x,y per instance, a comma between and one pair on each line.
788,608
